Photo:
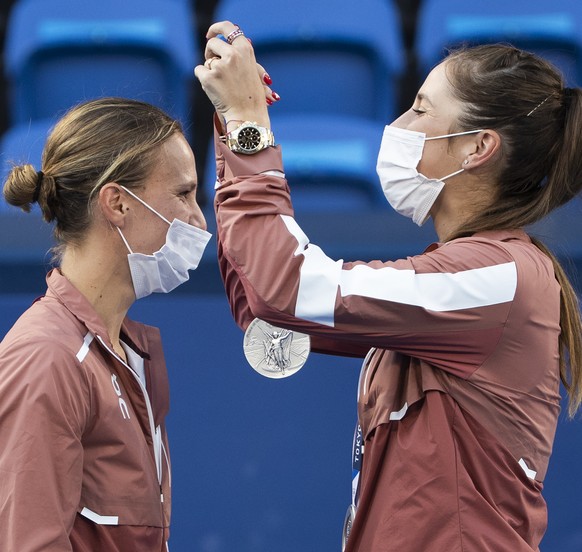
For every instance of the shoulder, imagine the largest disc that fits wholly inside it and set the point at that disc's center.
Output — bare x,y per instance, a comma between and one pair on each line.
464,254
43,342
508,258
49,317
510,246
488,248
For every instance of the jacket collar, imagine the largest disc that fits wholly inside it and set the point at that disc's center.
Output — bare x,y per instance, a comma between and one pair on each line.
144,340
62,289
497,235
76,303
505,235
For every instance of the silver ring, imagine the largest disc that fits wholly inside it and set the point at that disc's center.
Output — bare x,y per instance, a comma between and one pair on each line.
234,35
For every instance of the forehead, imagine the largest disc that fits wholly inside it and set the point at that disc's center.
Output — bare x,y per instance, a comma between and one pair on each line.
436,90
174,159
175,151
436,82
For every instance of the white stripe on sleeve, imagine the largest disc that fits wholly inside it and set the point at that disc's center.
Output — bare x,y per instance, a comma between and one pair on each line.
440,292
321,277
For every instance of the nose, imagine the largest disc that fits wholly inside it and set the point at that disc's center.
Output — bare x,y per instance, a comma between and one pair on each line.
404,120
197,219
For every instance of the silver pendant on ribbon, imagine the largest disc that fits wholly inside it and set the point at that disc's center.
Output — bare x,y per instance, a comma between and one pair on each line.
348,523
275,352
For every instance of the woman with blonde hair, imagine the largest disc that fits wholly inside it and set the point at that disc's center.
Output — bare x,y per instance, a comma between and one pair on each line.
84,389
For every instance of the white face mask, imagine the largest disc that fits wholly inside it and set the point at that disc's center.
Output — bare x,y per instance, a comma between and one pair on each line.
410,193
168,267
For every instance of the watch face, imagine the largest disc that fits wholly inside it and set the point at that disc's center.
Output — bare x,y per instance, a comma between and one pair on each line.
249,138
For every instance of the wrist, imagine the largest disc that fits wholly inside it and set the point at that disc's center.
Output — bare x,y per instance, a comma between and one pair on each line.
232,120
232,124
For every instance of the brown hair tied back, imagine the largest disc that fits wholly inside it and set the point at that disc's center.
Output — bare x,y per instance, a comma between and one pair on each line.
99,141
568,93
540,167
38,187
21,186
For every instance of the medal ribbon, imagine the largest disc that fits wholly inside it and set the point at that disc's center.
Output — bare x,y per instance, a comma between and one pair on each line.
358,444
357,460
357,455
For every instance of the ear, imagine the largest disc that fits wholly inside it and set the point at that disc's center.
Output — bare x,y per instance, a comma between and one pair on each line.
485,148
113,204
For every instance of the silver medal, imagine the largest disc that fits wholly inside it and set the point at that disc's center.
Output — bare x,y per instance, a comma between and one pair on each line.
275,352
348,523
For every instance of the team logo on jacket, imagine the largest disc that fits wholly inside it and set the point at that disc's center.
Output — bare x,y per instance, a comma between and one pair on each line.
122,403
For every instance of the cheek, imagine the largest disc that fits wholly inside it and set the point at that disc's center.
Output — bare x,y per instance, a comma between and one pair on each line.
433,161
149,236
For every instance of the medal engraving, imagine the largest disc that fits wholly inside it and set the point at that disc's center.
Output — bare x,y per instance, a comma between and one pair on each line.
275,352
348,523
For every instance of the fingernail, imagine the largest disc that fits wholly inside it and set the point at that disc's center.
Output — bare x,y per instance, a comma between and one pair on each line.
276,96
250,41
270,102
267,79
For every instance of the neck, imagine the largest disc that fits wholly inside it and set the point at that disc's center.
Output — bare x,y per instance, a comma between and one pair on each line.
459,202
105,282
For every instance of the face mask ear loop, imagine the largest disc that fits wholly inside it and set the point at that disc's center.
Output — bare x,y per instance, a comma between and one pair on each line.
146,205
454,134
450,175
124,240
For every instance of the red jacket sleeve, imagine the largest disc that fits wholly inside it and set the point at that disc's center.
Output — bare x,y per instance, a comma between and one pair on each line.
44,405
447,306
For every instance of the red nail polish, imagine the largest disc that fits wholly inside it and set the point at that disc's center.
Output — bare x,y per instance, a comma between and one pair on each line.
267,79
276,96
269,102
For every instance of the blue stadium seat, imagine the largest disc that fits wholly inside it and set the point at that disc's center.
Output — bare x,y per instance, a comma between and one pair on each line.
326,56
329,162
550,29
61,52
338,76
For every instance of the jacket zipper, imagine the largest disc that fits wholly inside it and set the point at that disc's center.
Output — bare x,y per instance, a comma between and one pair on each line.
156,434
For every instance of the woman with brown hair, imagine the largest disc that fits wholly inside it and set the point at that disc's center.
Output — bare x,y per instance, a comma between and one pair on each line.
465,345
84,460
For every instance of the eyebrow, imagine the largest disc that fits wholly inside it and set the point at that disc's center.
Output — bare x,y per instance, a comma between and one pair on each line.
184,187
190,184
423,98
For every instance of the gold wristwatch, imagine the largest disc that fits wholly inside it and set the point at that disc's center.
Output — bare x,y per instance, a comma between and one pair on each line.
249,138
